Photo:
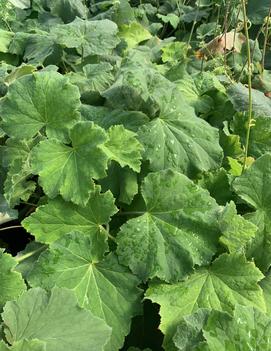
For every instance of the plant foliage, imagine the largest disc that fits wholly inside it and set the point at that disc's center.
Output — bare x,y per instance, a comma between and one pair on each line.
131,198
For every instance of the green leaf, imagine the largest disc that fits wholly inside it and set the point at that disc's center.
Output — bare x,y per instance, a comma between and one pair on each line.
258,11
188,144
37,101
133,34
170,18
21,4
28,257
189,331
263,82
68,10
202,103
238,95
190,14
24,345
235,167
139,87
123,147
266,286
122,182
207,30
230,280
16,155
15,150
174,52
248,329
104,287
218,185
237,231
88,37
106,117
36,48
19,72
177,230
56,319
260,133
253,186
58,217
42,49
122,12
5,40
69,170
231,144
11,282
17,185
96,77
6,213
207,82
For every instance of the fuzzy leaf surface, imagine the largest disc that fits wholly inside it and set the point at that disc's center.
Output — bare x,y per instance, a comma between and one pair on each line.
6,213
11,282
56,319
187,144
248,329
123,147
58,217
69,170
253,186
24,345
230,280
237,231
101,285
177,229
32,102
88,37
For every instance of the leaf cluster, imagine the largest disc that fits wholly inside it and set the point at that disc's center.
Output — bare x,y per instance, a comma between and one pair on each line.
122,135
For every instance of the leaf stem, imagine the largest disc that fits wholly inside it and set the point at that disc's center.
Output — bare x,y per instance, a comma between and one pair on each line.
29,254
8,26
193,26
225,34
234,35
132,213
11,227
249,85
29,203
111,237
252,54
265,39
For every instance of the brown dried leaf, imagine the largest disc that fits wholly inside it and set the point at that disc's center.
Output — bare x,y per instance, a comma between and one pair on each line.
226,41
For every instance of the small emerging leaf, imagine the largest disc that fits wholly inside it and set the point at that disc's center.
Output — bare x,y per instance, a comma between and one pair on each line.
123,147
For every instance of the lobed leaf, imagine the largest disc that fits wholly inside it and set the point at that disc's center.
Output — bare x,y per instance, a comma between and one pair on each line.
11,282
176,231
230,280
69,170
58,217
101,284
253,186
55,319
32,102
